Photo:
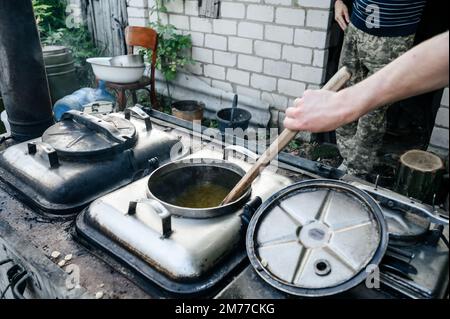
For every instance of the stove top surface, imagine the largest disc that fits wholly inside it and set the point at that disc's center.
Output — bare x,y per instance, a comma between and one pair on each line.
198,253
423,273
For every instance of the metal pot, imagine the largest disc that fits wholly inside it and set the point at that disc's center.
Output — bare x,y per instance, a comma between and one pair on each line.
170,181
188,110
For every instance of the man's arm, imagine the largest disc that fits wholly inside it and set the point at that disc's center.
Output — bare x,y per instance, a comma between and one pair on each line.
422,69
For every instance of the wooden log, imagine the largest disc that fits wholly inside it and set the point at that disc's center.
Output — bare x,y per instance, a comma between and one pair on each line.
419,175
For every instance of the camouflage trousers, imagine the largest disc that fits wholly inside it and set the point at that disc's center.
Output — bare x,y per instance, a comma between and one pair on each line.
365,54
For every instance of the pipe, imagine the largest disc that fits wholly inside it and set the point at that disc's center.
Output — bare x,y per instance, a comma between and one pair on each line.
23,82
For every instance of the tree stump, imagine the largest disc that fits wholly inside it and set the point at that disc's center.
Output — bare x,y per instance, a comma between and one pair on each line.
419,175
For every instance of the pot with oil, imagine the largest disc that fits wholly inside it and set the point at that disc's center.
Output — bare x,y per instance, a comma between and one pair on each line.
196,189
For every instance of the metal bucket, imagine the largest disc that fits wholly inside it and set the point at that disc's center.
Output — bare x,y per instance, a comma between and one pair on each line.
171,181
188,110
60,68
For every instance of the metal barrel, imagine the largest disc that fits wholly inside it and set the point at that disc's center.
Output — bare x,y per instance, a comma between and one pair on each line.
23,81
60,68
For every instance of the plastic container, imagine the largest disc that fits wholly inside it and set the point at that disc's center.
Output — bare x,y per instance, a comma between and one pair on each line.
241,119
81,97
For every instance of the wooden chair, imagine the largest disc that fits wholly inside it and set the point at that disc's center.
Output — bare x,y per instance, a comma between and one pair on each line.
146,38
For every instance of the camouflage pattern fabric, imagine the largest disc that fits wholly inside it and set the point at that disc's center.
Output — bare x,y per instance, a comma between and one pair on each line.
365,54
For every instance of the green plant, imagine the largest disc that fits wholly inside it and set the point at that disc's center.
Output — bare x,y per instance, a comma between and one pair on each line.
173,47
294,145
172,53
50,17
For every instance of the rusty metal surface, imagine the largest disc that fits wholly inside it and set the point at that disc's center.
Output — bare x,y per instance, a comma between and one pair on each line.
54,235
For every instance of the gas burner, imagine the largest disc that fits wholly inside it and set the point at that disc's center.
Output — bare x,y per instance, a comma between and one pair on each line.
83,157
183,251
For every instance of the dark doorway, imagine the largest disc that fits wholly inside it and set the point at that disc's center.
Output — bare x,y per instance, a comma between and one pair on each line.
410,122
416,114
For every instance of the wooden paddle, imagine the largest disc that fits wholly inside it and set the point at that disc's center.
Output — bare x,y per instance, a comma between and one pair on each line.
334,84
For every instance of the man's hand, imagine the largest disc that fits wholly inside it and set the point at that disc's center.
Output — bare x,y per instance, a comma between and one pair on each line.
316,111
422,69
341,14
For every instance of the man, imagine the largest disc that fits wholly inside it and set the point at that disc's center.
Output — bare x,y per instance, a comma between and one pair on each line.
424,68
377,32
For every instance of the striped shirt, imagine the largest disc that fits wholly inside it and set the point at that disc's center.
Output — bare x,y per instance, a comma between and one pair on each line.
387,18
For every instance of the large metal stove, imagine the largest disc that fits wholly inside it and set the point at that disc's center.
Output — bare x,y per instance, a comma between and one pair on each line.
83,157
196,252
123,246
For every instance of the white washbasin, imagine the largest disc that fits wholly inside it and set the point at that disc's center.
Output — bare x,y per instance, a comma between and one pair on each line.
103,70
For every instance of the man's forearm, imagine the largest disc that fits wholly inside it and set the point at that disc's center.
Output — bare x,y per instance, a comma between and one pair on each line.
422,69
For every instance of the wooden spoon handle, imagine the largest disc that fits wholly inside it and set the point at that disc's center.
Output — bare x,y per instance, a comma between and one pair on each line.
334,84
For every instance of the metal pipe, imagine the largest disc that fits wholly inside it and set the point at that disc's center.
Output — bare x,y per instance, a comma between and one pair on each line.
23,81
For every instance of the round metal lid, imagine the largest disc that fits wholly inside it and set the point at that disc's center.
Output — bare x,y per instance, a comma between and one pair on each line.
316,238
82,135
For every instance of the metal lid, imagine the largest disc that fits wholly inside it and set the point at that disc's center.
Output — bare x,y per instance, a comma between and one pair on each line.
54,49
316,238
82,135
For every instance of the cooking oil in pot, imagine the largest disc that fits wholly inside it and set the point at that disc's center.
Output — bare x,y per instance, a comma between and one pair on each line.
205,195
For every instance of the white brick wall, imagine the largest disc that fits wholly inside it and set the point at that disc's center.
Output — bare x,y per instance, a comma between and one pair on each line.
225,58
292,17
318,19
250,63
238,76
232,10
279,34
267,49
260,13
251,30
278,69
216,42
214,71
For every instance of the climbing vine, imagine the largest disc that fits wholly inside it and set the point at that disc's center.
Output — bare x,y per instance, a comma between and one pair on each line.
173,46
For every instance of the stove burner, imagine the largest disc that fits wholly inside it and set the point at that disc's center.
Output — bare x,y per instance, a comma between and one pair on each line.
191,257
84,157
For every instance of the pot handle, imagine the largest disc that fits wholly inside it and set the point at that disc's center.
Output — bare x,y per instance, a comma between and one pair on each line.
249,210
239,149
137,112
52,156
96,124
158,208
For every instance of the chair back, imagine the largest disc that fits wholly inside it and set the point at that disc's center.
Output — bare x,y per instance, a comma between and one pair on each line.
142,37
